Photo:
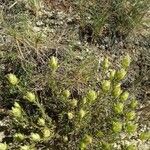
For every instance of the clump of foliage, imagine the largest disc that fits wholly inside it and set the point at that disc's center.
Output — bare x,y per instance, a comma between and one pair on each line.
69,101
119,17
102,116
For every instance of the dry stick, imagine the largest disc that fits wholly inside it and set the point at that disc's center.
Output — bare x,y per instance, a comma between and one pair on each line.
13,4
19,48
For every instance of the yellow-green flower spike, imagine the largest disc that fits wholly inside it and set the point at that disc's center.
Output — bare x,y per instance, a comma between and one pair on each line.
130,127
16,112
118,108
66,93
12,79
133,104
3,146
41,122
120,74
126,61
83,146
25,147
70,115
105,63
145,135
19,137
17,105
91,95
73,103
117,127
30,97
106,85
35,137
84,100
53,63
130,115
112,74
124,96
82,113
117,91
87,139
46,133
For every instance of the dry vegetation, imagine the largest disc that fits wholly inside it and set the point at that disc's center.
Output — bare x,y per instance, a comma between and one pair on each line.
74,75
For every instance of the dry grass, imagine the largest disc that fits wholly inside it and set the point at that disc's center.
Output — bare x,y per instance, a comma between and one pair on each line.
32,32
